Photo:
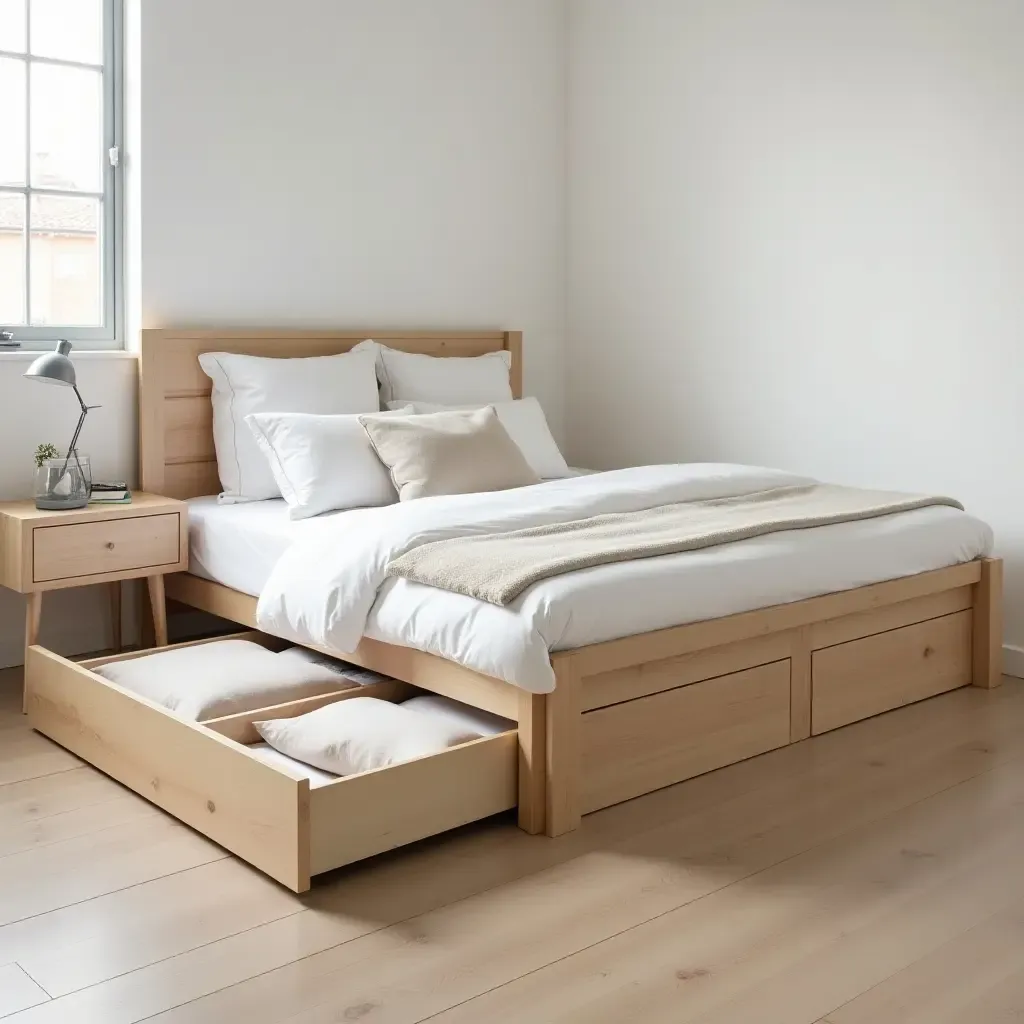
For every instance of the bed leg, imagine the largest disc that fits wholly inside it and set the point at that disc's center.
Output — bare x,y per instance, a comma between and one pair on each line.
800,686
562,741
532,776
988,625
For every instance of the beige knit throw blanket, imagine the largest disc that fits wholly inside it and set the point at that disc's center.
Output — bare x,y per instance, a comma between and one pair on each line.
497,568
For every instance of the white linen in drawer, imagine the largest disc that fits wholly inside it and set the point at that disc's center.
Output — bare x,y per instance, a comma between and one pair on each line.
226,677
462,716
360,735
266,753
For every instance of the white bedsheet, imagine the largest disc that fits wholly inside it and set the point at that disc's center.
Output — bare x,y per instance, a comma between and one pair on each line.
328,587
239,545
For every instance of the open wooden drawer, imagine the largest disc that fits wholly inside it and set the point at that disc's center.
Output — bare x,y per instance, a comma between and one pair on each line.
203,774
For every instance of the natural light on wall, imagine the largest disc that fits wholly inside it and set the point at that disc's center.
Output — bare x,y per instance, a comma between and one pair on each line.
58,221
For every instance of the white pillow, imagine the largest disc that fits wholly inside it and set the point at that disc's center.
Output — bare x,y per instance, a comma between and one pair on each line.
226,677
243,385
447,380
464,716
322,463
526,424
359,735
266,753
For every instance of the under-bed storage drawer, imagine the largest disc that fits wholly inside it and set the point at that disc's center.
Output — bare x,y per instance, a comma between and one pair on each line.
205,775
641,745
865,677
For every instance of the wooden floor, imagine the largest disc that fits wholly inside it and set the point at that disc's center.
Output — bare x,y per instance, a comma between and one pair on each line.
871,876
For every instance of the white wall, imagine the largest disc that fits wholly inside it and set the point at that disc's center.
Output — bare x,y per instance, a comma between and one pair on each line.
32,414
325,162
796,238
358,162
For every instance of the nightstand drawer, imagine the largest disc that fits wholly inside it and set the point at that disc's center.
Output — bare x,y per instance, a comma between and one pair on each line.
114,545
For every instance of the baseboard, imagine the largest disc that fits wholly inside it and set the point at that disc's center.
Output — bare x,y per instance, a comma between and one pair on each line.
1013,661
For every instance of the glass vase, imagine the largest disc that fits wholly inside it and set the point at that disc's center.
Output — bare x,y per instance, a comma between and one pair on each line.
64,482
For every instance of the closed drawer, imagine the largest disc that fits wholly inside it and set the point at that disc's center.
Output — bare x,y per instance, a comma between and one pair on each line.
115,545
203,773
865,677
641,745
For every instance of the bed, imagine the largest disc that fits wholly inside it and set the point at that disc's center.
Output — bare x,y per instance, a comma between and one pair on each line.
630,714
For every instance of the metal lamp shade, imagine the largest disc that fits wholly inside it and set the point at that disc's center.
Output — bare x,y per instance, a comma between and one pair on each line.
54,367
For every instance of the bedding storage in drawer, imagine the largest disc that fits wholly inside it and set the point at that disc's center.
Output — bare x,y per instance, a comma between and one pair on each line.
865,677
115,545
269,815
640,745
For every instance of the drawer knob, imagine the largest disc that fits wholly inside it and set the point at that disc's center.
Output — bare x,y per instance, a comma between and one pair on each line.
929,651
110,545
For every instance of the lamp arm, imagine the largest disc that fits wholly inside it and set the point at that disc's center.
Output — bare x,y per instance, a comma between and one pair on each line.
78,430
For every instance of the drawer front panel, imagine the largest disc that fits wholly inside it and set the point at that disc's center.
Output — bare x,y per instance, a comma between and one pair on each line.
642,745
363,815
116,545
865,677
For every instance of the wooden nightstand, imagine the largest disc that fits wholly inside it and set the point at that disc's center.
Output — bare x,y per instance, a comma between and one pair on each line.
42,551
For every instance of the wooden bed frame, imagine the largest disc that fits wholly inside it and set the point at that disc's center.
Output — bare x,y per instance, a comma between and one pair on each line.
724,689
626,717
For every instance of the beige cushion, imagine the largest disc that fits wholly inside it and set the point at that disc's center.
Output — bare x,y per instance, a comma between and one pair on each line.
462,452
223,678
361,734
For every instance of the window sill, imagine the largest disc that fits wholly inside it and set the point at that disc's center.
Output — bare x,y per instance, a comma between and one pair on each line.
83,355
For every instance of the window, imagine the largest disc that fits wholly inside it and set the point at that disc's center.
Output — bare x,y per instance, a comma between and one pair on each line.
60,202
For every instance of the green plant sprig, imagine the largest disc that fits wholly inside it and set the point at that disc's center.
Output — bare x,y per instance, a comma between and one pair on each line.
44,452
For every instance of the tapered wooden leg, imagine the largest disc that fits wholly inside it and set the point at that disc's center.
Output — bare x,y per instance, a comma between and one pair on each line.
532,773
988,625
159,606
115,616
562,742
33,615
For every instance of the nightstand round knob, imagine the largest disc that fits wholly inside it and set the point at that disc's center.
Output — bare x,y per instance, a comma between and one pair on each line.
110,545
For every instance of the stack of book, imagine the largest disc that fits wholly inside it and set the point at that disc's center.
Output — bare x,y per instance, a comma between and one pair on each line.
110,494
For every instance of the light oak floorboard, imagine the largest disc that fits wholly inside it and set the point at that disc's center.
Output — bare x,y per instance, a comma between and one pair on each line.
37,798
982,965
87,943
27,755
58,828
422,966
36,881
17,990
788,944
803,847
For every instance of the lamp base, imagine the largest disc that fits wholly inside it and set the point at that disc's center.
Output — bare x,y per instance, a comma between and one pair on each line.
56,504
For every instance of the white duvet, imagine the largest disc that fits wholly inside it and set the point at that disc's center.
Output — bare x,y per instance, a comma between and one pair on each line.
329,588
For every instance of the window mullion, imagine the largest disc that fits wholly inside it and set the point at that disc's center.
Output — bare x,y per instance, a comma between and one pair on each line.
27,254
106,202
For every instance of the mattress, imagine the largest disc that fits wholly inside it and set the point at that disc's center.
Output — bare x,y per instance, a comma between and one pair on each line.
330,589
238,545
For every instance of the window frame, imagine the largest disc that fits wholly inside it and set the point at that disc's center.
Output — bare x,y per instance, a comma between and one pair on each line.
110,336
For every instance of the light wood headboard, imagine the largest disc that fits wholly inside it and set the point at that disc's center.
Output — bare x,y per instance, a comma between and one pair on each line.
175,416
